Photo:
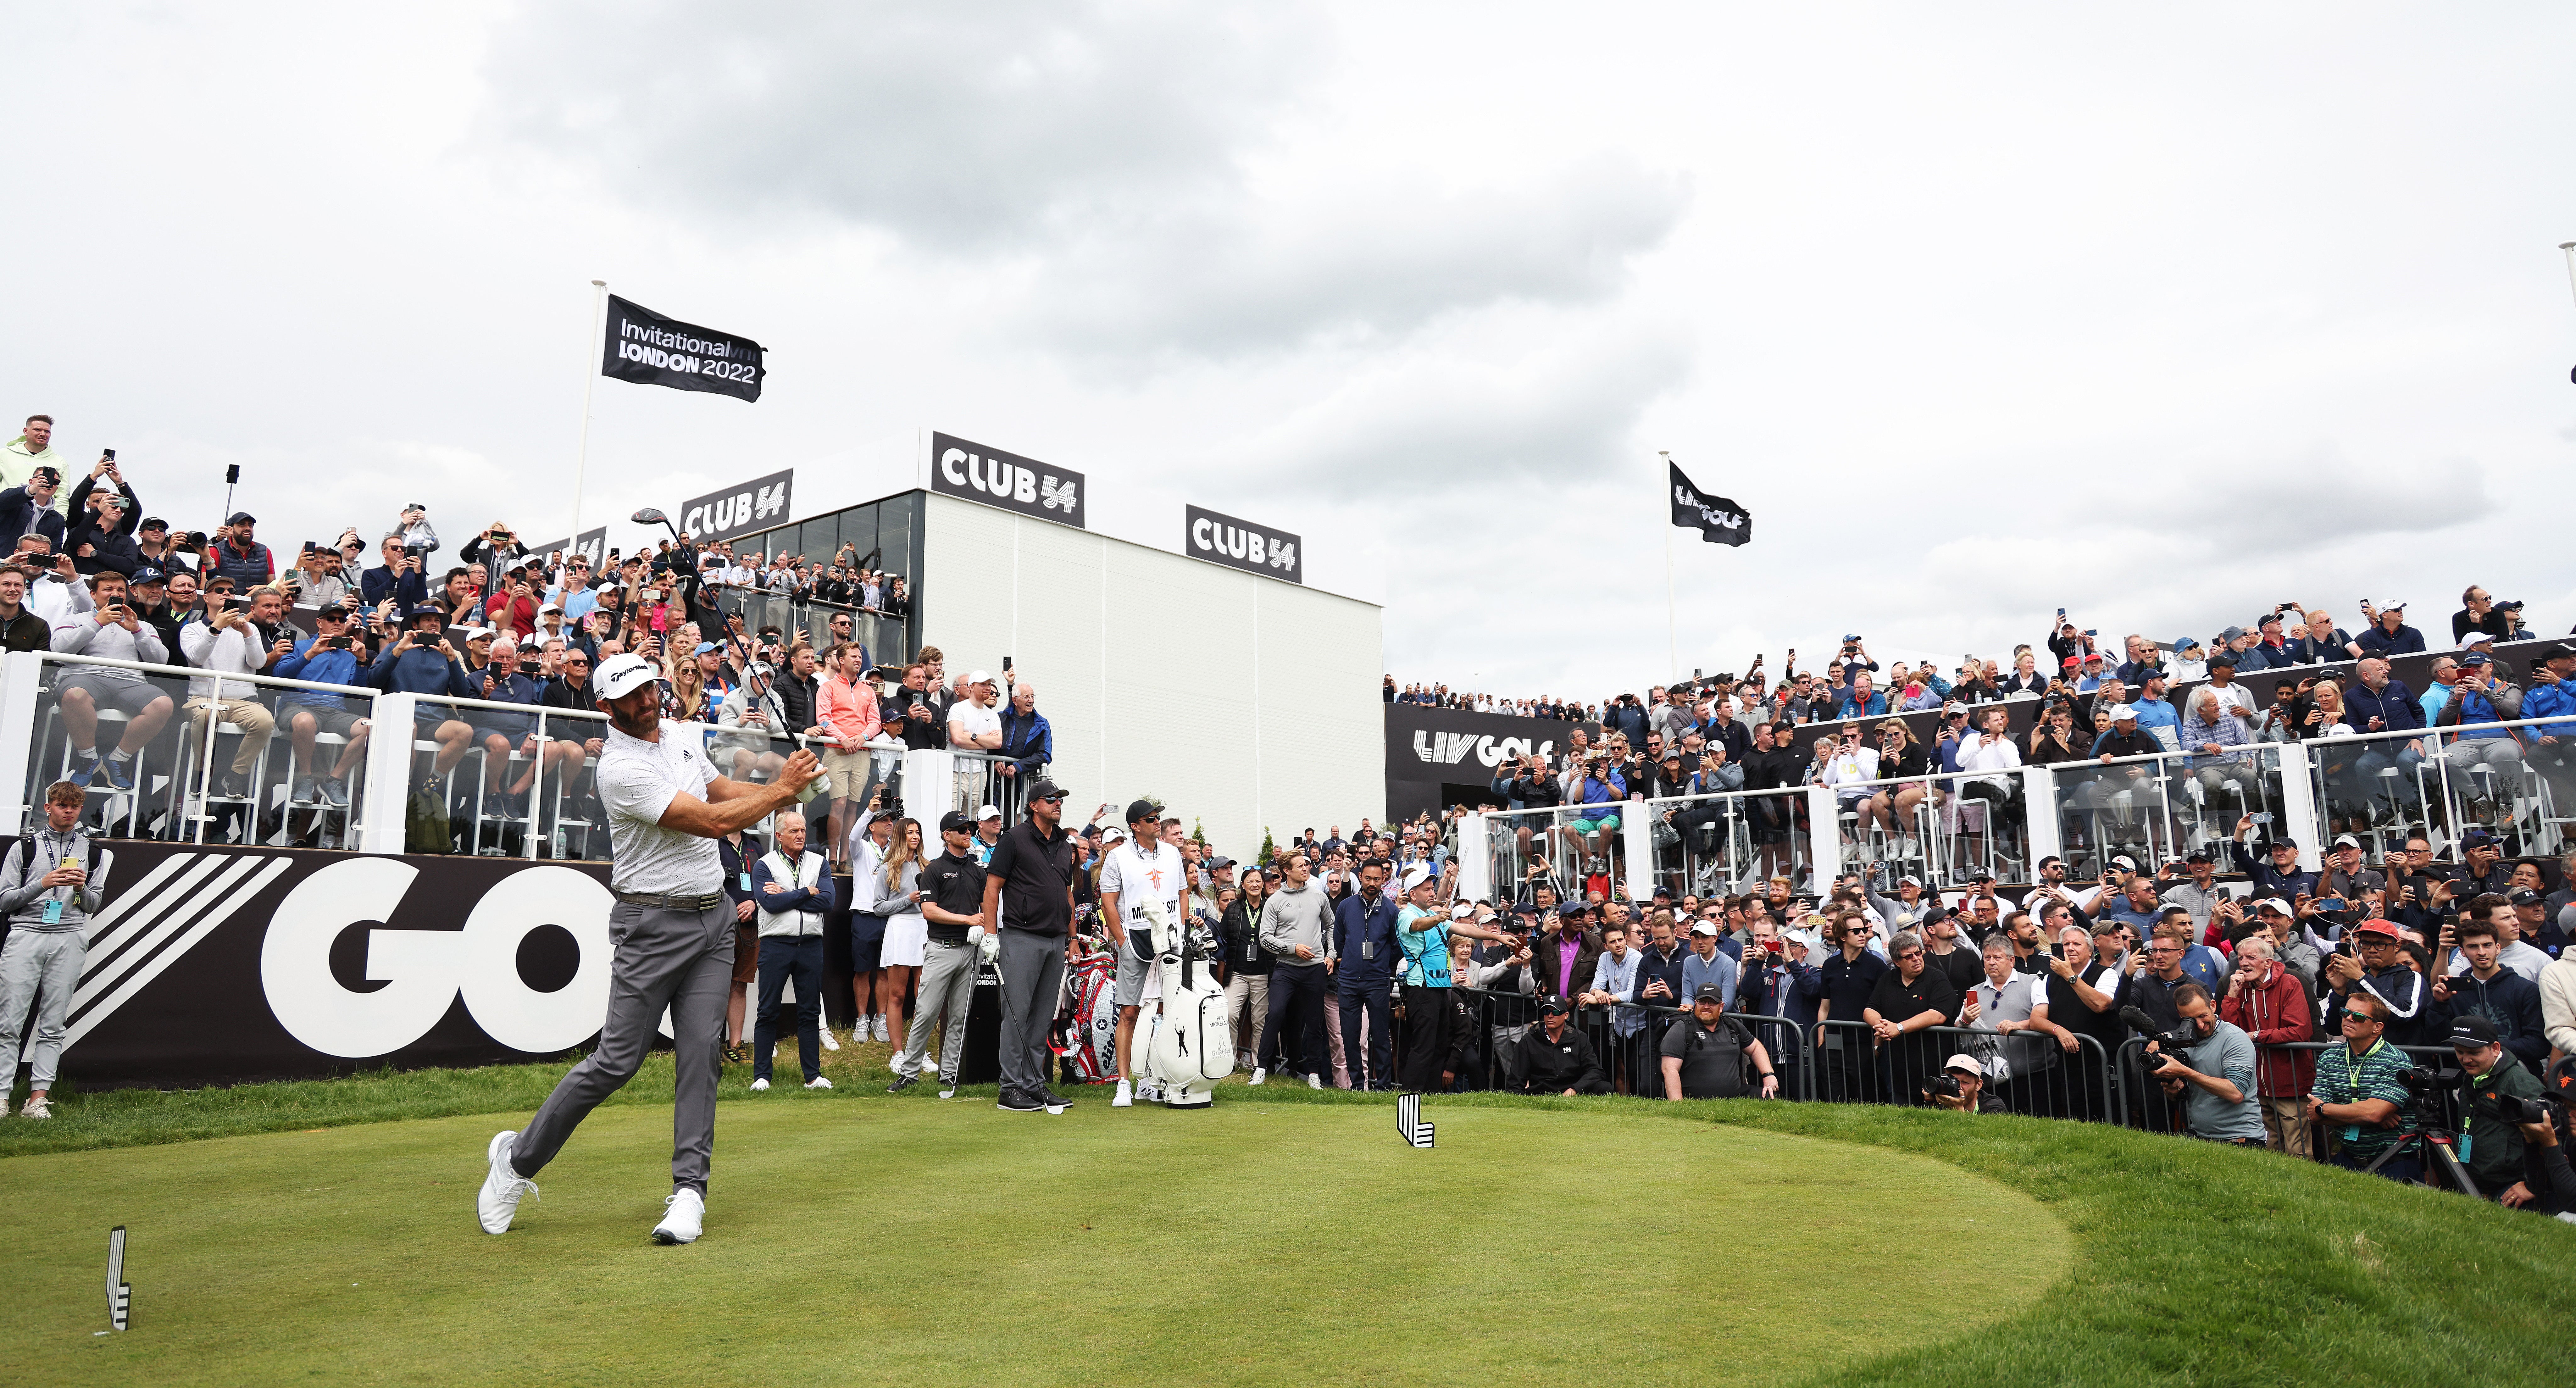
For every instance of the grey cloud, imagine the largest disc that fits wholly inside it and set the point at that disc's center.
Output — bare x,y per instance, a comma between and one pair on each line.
1376,262
955,127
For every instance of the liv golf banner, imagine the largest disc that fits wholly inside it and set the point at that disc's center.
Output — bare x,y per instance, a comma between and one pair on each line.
1718,520
959,467
651,350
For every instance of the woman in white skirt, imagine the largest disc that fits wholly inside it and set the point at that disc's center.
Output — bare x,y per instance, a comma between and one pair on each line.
897,891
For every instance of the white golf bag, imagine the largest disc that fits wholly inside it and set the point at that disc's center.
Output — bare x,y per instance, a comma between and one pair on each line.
1189,1045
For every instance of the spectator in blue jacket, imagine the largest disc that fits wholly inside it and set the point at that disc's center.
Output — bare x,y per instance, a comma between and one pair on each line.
2277,873
1599,794
400,579
1861,701
1027,738
1364,939
2388,634
423,662
2377,703
329,656
2553,695
1780,979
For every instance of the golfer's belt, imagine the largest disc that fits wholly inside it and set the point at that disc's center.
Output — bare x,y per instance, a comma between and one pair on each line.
706,901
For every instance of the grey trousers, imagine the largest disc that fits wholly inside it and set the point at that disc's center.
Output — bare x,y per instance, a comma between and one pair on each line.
1032,969
39,969
947,989
682,960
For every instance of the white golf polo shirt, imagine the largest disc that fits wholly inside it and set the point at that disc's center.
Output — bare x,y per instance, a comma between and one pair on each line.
637,781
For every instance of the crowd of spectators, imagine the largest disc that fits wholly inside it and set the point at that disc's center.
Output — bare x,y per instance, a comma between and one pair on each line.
87,571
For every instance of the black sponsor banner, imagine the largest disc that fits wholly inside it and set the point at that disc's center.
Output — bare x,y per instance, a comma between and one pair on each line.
959,467
1240,544
593,546
644,347
1718,520
760,504
214,965
1427,743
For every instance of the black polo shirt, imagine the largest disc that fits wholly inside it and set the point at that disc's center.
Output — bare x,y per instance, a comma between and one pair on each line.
957,885
1898,1000
1037,879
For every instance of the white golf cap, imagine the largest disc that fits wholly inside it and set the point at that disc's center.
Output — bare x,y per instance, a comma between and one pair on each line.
1465,910
622,675
1416,877
980,677
988,812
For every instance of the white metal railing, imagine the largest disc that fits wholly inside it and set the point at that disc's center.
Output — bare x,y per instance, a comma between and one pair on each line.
2429,790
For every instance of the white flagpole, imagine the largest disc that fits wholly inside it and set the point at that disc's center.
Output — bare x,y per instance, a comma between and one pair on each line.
590,374
1672,622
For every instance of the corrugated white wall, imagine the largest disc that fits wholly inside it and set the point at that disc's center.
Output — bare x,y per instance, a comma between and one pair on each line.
1240,701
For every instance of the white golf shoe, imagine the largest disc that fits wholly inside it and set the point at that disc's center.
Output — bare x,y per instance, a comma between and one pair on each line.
688,1214
818,1082
498,1202
760,1086
1259,1074
1126,1096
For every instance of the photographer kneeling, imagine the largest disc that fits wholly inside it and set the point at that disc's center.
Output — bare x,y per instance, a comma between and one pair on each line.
1961,1087
2209,1064
2501,1096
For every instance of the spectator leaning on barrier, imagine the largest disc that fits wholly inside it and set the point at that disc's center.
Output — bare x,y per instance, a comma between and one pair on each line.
51,883
1908,1000
2268,1003
1706,1054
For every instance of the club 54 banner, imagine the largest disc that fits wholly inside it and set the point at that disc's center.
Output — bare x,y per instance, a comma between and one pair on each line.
978,472
644,347
210,965
1240,544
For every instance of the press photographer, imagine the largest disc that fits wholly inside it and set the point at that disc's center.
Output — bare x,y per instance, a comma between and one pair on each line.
2209,1065
2499,1096
1961,1088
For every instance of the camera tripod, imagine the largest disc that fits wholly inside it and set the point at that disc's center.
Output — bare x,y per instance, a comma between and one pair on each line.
2435,1148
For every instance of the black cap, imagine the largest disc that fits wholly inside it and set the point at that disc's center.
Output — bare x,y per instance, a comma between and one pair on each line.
956,822
1143,809
2198,855
1710,992
1046,790
2222,657
426,609
2523,896
147,574
2471,1033
242,517
1552,1005
332,611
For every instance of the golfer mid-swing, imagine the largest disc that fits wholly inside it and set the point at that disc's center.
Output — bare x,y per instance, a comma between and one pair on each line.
673,930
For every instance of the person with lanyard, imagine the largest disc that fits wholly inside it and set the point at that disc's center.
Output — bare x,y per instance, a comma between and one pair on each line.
1247,969
1028,888
793,889
2358,1095
673,926
952,904
1423,932
1364,942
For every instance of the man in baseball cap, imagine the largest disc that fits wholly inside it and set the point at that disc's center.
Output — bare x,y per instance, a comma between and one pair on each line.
1706,1054
2493,1149
1144,867
952,909
674,925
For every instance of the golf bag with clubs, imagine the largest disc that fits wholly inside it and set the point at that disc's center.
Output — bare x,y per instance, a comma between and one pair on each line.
1189,1045
1085,1031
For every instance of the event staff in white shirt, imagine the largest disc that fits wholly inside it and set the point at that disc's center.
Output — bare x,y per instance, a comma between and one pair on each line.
674,931
1144,865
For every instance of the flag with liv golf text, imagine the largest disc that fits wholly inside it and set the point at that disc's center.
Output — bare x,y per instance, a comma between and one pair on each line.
1718,520
651,350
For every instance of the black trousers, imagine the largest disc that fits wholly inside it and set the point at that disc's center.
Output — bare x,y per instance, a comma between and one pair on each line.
783,957
1369,1000
1427,1018
1297,1016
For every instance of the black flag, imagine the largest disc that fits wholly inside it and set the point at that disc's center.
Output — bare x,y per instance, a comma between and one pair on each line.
1718,520
651,350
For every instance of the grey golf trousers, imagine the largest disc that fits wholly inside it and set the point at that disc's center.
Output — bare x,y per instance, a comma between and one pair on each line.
1032,969
947,989
682,960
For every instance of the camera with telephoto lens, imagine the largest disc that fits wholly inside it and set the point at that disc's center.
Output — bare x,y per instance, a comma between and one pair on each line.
1944,1085
2517,1110
2172,1043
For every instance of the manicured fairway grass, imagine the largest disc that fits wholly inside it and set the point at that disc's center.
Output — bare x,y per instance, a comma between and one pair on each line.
952,1243
1597,1241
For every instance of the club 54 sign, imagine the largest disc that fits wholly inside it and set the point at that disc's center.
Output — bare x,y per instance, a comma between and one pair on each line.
976,472
1240,544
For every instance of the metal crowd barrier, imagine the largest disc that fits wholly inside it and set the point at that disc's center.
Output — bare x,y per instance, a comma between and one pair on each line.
1948,827
2380,787
2035,1077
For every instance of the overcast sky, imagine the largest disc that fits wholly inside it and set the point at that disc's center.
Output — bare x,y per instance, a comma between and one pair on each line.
2165,316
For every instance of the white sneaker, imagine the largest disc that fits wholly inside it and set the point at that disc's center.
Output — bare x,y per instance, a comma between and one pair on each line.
1126,1096
498,1202
688,1214
1314,1081
760,1086
818,1082
37,1106
877,1028
828,1043
1259,1074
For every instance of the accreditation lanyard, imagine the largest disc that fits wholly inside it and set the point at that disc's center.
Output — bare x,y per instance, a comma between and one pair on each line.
56,897
2352,1083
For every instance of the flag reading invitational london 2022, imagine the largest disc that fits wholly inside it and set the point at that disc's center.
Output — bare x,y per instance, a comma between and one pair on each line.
649,349
1718,520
